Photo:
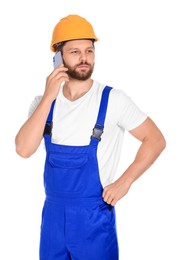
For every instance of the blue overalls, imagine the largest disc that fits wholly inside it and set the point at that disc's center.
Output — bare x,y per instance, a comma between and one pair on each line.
76,223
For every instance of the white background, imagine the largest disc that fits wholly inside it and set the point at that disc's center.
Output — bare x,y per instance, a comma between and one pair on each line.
140,52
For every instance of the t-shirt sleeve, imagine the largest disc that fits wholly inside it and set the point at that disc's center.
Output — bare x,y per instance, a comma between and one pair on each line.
129,114
34,105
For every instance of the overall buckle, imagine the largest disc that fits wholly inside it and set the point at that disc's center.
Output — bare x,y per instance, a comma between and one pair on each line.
48,129
97,131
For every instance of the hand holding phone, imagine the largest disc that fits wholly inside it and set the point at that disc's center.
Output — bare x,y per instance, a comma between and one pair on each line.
57,59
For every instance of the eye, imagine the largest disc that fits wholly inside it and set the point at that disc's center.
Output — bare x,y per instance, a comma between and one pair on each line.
90,50
74,52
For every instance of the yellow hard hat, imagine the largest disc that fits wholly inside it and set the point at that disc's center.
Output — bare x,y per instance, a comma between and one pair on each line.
72,27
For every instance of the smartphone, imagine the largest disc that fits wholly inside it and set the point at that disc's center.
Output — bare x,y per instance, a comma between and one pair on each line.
57,59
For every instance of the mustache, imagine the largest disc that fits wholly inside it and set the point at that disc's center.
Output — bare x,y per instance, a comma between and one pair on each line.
83,63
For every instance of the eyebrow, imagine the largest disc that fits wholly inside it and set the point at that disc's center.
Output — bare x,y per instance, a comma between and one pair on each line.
77,48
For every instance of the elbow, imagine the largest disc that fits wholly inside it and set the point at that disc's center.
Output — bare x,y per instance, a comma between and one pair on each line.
163,143
23,152
21,149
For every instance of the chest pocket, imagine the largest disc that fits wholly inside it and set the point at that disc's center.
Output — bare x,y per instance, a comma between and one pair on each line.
66,172
67,160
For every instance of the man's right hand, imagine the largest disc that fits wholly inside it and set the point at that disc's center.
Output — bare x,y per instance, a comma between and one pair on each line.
54,81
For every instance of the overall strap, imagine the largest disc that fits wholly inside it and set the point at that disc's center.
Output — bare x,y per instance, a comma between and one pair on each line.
99,126
49,122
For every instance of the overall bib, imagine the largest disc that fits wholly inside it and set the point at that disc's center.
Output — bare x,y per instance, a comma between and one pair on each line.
76,223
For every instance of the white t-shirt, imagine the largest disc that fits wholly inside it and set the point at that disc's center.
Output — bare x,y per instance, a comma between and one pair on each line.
73,122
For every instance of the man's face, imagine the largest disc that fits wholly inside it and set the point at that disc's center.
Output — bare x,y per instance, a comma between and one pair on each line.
78,57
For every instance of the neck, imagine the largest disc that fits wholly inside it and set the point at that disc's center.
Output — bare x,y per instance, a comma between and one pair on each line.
73,90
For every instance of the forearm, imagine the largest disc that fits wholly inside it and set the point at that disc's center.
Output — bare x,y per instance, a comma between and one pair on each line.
145,157
30,134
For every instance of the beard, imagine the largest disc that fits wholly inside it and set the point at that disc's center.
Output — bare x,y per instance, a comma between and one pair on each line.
79,75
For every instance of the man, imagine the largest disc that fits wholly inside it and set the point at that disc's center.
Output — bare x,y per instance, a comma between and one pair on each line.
78,219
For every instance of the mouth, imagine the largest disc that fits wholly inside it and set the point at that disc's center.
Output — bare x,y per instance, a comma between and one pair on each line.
83,66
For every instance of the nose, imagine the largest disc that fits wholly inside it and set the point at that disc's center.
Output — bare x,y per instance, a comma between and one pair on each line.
83,57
